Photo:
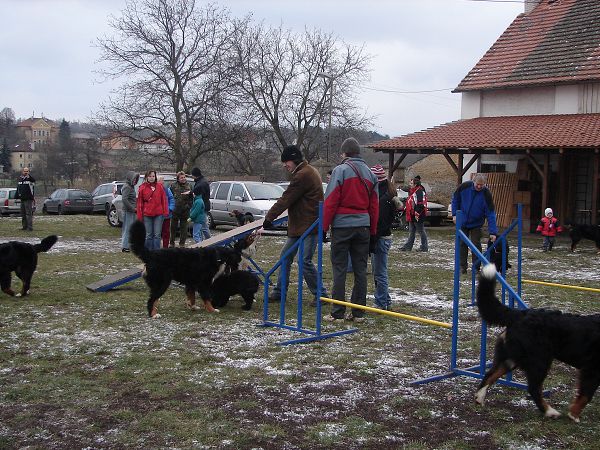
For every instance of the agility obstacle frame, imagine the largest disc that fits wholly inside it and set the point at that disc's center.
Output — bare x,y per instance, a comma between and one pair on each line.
313,334
478,371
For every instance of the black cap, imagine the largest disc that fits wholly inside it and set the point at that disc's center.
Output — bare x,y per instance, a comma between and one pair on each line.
291,153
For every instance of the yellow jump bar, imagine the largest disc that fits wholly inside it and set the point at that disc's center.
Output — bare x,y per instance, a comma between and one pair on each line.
388,313
565,286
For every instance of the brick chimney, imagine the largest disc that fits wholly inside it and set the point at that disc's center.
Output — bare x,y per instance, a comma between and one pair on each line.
530,4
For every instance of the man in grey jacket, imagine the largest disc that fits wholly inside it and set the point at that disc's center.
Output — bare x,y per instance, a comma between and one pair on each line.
128,197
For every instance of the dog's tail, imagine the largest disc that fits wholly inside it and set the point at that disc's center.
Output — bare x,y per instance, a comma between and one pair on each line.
490,308
137,240
46,244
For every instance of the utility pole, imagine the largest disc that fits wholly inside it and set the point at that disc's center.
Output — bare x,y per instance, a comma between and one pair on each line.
330,78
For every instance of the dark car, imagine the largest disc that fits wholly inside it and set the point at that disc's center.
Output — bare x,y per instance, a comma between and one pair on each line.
68,201
104,194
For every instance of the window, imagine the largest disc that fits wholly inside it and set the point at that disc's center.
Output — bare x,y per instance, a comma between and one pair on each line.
237,191
222,191
493,168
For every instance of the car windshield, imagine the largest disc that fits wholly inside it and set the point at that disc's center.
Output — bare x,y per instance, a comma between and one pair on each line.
264,191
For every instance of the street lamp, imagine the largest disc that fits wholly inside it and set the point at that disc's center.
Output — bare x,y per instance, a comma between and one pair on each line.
330,78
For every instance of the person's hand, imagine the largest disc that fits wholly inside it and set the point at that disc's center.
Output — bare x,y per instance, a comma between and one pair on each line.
454,220
493,237
417,216
373,243
267,225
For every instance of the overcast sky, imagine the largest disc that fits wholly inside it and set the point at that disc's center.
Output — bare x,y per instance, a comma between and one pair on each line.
47,58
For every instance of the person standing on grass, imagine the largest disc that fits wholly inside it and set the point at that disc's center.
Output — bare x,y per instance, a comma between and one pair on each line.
301,199
475,201
166,226
351,209
182,191
26,192
152,208
202,189
198,217
416,211
389,203
129,201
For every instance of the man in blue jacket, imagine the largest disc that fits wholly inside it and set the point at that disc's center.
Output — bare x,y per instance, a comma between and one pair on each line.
475,201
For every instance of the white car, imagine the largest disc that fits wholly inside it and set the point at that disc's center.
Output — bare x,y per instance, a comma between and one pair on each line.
251,198
436,213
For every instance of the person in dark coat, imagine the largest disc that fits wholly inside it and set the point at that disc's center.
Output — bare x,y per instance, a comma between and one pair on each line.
182,192
202,188
301,199
129,202
26,192
416,211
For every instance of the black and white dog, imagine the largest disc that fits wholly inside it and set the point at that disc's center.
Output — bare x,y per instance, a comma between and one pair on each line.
577,232
240,282
533,339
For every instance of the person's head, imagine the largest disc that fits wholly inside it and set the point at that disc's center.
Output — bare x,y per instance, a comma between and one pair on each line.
549,213
150,176
196,173
291,156
161,180
181,178
350,147
329,175
417,180
25,171
379,172
479,181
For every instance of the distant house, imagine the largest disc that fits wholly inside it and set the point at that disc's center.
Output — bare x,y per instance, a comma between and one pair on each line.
37,131
22,155
530,115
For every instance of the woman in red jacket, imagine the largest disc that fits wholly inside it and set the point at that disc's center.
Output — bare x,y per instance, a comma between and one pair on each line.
152,208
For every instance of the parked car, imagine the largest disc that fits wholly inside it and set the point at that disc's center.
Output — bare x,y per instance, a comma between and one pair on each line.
9,203
114,214
435,212
65,201
252,198
285,184
104,194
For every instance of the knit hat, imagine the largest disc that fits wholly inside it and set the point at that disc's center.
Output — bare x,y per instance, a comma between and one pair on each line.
548,212
291,153
196,172
379,172
350,147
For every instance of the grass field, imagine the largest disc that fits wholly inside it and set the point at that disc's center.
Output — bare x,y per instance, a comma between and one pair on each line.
89,370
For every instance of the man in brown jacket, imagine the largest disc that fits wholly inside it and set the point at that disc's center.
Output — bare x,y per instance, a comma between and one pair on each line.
301,199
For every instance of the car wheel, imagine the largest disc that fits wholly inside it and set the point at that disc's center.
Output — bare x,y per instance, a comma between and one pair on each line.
113,217
59,210
44,210
106,208
211,222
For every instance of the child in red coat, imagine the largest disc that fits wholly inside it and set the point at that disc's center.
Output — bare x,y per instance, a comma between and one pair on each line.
549,227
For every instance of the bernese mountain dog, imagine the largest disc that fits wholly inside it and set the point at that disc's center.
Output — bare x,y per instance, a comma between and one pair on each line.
240,282
533,338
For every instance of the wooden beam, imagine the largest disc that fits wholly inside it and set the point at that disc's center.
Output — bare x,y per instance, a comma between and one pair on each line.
476,156
596,162
397,164
461,161
454,167
545,176
535,165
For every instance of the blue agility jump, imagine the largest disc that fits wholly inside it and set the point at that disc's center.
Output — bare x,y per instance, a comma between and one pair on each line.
478,371
313,334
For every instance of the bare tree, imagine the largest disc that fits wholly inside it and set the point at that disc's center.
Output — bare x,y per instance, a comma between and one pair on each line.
173,57
288,80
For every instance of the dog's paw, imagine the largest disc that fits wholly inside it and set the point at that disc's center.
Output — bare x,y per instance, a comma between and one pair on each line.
156,316
489,271
480,396
18,294
552,413
573,418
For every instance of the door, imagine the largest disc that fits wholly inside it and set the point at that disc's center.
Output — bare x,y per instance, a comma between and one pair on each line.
219,204
237,198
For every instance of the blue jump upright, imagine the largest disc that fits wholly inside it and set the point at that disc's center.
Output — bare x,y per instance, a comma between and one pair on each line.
478,371
313,334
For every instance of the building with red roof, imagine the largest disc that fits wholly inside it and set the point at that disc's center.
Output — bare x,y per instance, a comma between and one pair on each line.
530,107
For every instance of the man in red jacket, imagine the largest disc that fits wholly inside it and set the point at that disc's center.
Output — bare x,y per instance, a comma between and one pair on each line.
352,210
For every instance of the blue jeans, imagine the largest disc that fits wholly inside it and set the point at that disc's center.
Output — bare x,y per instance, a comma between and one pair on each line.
355,241
153,231
128,219
380,273
197,233
414,227
205,229
309,271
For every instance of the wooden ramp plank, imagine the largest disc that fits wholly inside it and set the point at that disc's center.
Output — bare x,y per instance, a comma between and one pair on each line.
112,281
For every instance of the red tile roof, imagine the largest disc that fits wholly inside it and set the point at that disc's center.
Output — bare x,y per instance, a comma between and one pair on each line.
557,42
516,132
